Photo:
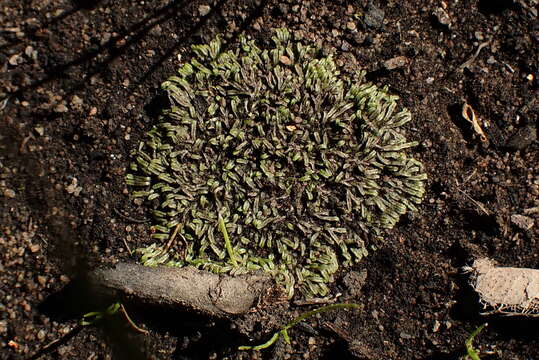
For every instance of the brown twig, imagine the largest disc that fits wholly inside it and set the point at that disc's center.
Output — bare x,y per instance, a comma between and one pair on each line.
50,347
477,203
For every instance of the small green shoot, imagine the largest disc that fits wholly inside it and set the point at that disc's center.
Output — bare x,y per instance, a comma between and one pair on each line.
228,245
472,354
284,331
93,317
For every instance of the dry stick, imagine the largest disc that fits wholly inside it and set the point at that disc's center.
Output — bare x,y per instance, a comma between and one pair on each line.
185,288
50,347
474,56
477,203
171,240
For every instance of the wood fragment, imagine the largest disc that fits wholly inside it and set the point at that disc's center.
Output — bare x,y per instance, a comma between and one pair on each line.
505,290
183,288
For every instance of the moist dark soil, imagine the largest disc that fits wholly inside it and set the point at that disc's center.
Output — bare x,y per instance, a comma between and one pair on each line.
79,86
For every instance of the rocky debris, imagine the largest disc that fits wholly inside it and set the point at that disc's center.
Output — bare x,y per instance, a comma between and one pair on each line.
354,282
395,63
523,222
374,17
442,17
522,138
204,10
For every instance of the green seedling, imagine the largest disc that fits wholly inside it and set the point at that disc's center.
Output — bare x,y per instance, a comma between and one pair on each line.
94,317
222,228
284,330
472,354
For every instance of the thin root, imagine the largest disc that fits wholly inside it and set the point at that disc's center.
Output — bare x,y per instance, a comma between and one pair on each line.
133,325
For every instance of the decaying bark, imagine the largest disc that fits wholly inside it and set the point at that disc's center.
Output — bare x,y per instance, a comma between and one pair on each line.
507,290
187,288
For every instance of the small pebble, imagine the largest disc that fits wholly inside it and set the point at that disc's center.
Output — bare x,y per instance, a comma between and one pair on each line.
523,222
442,16
522,138
34,248
61,108
396,62
374,18
204,10
13,60
40,130
63,351
9,193
283,9
285,60
29,51
42,280
75,100
405,335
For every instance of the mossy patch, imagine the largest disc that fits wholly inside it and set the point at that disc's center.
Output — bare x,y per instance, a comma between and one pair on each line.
303,164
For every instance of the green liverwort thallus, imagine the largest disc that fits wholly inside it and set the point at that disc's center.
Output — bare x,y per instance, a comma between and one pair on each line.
303,164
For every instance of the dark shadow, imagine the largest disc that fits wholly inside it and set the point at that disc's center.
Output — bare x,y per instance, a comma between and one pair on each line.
256,12
459,255
338,350
204,336
155,107
78,298
453,355
496,7
86,4
139,30
78,6
473,220
73,301
467,306
199,336
514,327
374,76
